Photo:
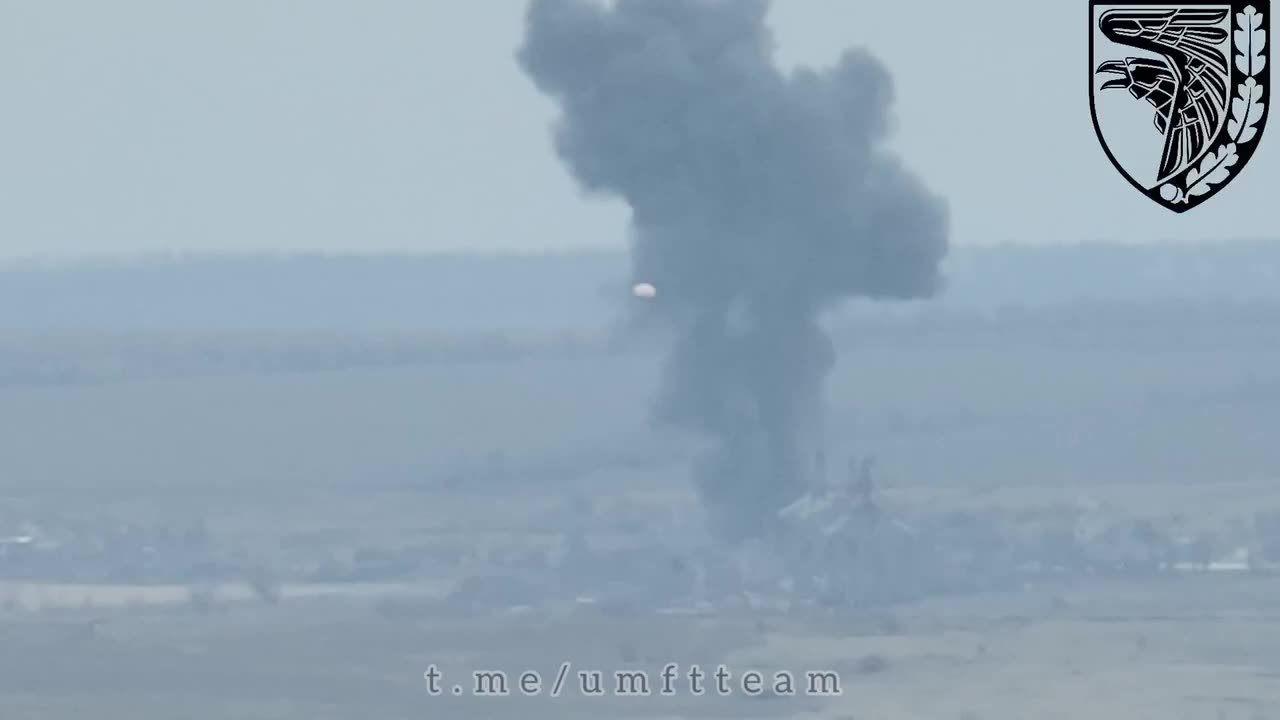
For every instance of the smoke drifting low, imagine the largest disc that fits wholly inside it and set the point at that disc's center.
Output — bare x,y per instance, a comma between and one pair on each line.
758,200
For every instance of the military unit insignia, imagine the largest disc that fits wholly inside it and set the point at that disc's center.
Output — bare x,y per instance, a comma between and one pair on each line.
1178,93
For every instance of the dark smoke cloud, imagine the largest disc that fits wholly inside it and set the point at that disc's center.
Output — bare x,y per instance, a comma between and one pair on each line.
758,200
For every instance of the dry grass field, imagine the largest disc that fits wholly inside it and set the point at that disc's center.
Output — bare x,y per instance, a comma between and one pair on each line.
483,458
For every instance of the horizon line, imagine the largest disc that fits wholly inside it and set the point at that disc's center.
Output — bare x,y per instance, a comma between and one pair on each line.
153,258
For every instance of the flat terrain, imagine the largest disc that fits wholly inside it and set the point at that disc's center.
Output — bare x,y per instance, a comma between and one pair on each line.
481,460
1044,400
1191,648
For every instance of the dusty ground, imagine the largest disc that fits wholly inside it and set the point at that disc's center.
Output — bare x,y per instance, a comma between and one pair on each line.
1170,421
1187,647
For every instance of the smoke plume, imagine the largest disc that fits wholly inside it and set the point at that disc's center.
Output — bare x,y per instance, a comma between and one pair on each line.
758,199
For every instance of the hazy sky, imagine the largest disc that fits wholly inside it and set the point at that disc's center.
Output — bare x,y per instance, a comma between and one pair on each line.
340,125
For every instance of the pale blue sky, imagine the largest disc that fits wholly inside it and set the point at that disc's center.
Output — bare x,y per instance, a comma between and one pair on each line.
371,125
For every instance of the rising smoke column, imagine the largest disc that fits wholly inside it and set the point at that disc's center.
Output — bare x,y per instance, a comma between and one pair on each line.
758,199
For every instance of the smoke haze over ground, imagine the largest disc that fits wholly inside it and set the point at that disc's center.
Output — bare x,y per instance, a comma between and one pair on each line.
263,485
758,200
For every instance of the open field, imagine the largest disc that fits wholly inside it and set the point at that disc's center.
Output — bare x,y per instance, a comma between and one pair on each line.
1192,647
1043,399
289,525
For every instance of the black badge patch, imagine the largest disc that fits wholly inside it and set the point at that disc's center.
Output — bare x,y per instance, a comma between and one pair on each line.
1179,93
